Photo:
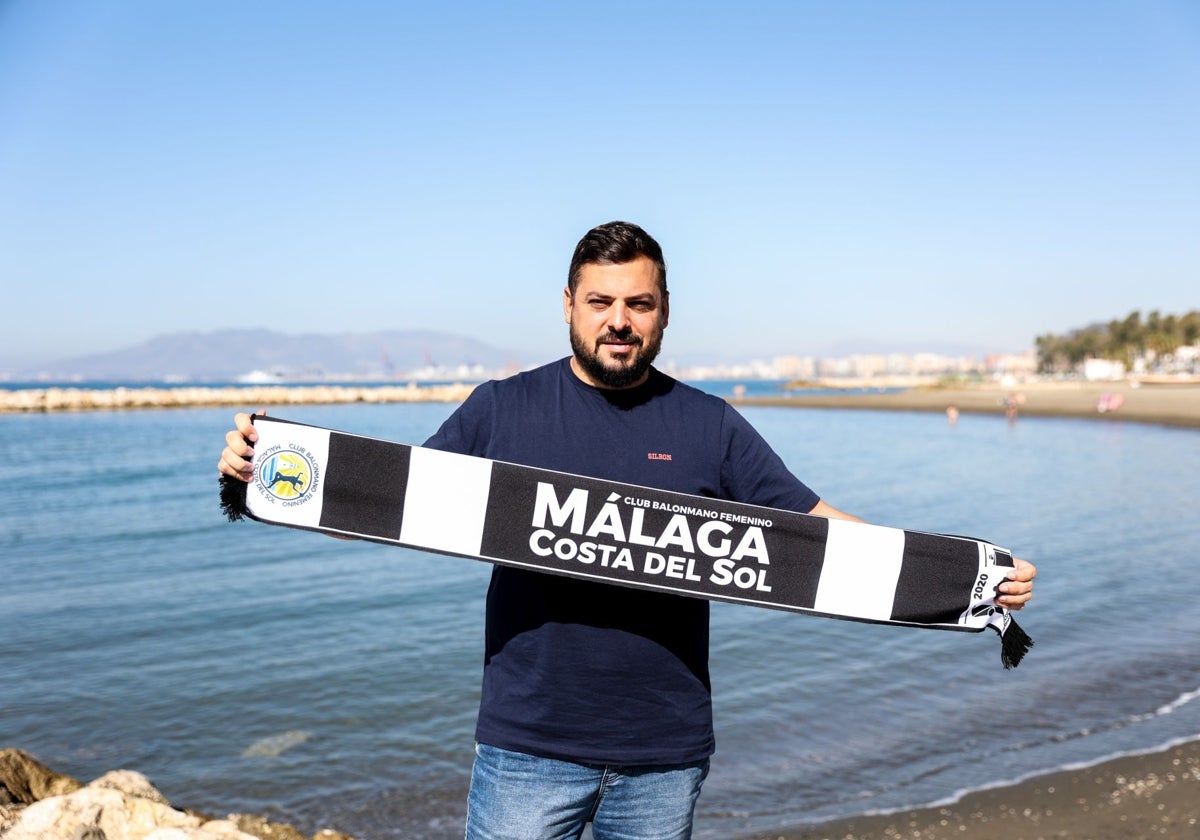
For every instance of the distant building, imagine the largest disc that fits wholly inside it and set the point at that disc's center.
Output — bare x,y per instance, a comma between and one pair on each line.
864,366
1012,364
1095,370
794,367
1187,359
867,366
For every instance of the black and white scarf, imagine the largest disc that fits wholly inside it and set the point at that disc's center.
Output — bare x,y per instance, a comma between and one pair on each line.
337,483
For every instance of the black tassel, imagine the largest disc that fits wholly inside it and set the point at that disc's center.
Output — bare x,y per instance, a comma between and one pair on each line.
233,498
1014,644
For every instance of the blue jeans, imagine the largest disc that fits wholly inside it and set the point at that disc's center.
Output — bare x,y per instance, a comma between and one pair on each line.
515,796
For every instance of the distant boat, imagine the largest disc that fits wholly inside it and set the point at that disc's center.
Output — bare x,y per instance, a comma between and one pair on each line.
260,377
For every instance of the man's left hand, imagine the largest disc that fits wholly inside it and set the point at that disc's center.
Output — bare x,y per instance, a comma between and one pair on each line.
1018,589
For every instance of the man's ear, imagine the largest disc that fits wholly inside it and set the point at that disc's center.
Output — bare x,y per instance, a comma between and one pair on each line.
567,304
666,309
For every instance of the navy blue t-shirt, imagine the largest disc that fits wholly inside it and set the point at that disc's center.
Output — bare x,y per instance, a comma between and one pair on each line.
586,671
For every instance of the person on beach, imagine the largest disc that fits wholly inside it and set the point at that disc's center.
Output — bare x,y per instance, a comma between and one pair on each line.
596,702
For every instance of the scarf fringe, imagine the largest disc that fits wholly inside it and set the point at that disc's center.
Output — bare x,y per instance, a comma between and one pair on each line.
1014,644
233,498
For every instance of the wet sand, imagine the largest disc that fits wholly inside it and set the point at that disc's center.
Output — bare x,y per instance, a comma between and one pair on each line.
1156,795
1171,405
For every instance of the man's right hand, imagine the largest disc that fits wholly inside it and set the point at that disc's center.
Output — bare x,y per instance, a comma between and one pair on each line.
239,448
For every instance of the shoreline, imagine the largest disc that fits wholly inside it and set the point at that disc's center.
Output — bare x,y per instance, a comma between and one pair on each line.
1174,405
1177,406
1129,797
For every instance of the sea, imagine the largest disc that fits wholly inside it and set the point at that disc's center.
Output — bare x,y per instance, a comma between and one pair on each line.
324,683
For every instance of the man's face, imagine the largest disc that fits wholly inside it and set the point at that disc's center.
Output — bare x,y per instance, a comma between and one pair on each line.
617,317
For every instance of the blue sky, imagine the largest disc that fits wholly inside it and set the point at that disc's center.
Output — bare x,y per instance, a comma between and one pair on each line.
824,177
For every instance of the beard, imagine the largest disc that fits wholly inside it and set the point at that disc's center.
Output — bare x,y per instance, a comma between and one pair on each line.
617,373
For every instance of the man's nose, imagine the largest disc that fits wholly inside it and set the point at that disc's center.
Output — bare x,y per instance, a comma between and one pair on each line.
618,317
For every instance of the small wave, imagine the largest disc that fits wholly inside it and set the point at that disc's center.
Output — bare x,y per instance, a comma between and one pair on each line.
958,795
1112,726
276,745
1174,706
1179,702
1077,765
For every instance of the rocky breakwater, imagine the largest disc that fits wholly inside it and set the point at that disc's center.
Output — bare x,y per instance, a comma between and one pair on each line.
37,400
37,803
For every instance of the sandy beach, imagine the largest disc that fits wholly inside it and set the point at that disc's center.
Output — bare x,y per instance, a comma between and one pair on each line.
1172,405
1128,798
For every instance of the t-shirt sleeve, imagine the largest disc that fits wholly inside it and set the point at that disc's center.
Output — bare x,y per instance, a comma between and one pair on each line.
753,473
468,429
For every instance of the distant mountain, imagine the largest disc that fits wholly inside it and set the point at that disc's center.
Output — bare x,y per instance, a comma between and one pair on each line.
225,355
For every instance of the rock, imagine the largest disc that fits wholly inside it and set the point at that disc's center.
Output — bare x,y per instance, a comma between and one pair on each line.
83,399
89,832
216,830
38,804
118,815
132,783
24,780
8,816
276,745
260,828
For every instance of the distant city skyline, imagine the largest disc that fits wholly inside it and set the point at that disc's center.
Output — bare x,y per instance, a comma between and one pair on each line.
824,178
224,355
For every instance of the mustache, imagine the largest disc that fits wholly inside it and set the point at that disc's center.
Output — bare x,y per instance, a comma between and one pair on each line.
625,337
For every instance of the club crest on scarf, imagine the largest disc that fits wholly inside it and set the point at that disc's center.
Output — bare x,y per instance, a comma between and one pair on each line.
288,476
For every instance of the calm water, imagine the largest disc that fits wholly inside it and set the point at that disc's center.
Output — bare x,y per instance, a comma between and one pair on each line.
243,667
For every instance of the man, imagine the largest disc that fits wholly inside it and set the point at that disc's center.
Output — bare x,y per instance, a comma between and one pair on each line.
596,702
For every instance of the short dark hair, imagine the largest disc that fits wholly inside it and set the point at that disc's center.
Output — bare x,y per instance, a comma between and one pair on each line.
615,243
